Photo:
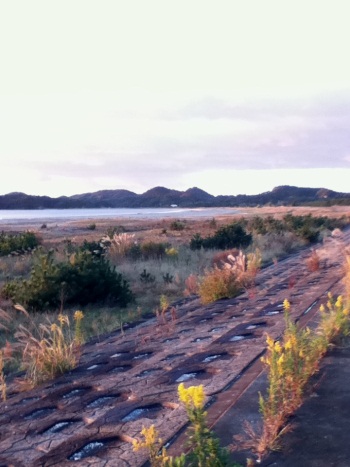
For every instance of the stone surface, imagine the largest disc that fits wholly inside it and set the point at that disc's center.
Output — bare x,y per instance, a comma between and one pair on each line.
139,370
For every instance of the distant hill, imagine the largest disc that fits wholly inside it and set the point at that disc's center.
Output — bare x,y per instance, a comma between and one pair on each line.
159,197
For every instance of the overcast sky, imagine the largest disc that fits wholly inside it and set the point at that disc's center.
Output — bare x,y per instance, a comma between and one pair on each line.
230,96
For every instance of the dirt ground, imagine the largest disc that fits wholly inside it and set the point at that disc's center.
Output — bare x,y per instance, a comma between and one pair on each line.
158,230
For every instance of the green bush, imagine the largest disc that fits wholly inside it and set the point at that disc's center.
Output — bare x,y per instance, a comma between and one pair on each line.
177,225
20,242
153,250
83,279
229,236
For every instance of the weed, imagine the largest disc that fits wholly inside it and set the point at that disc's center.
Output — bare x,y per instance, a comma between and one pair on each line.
191,285
168,278
291,362
218,283
313,262
146,277
53,352
204,448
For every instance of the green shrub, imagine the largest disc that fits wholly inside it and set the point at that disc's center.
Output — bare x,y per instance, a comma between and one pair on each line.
229,236
20,242
217,284
83,279
177,225
153,250
115,230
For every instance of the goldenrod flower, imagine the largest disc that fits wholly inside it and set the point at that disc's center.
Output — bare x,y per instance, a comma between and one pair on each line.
192,397
270,342
63,319
322,308
78,315
339,302
286,305
288,344
280,360
54,327
278,347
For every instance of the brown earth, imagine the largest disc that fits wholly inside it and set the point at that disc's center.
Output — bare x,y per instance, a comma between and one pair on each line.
152,229
126,380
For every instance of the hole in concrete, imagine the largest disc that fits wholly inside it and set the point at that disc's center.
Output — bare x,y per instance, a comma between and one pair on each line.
96,365
28,399
59,426
204,320
172,356
256,325
241,337
39,413
119,354
147,411
102,401
211,358
201,339
142,355
120,369
188,376
147,372
90,449
218,329
75,392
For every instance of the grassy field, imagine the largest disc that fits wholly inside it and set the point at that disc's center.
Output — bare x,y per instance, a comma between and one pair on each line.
155,259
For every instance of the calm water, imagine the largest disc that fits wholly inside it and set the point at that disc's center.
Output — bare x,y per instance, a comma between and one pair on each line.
132,213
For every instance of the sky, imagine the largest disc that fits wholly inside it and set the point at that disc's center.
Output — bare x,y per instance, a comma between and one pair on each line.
234,97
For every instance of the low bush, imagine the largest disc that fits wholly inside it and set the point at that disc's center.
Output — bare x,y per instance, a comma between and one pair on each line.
218,283
20,242
84,278
230,236
153,250
177,225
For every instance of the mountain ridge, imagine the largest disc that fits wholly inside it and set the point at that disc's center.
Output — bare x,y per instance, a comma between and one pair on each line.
159,196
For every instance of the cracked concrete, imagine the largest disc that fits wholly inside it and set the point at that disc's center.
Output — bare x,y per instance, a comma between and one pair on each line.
140,370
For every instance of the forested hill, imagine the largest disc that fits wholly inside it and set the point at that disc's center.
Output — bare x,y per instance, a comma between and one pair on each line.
165,197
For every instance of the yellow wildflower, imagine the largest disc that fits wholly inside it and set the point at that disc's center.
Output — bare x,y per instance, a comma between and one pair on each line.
278,347
78,315
286,305
288,344
150,438
63,319
346,311
322,308
339,302
54,327
280,360
192,397
270,342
